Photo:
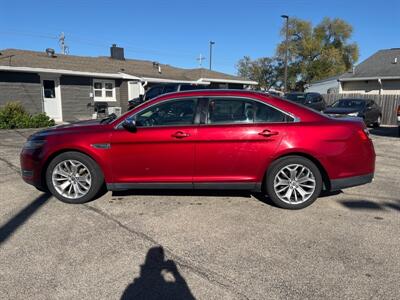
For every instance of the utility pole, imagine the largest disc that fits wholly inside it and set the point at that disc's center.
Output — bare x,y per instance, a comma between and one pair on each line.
63,46
200,60
211,46
286,51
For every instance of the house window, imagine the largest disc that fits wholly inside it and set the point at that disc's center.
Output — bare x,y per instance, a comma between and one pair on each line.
104,90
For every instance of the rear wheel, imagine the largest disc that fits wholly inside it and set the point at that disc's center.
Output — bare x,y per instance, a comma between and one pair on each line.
293,182
74,177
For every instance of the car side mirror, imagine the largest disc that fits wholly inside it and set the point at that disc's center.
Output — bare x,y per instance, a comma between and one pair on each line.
129,125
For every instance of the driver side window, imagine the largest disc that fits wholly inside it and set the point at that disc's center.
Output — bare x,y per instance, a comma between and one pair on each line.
170,113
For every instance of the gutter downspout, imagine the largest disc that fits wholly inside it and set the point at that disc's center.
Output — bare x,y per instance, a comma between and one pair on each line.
380,86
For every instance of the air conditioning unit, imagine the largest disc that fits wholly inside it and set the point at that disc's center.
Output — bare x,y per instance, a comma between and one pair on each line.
115,110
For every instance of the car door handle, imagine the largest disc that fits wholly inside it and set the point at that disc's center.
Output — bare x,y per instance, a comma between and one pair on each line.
180,134
268,133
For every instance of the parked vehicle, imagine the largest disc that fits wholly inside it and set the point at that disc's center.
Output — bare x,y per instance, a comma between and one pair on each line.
210,139
368,110
160,89
312,100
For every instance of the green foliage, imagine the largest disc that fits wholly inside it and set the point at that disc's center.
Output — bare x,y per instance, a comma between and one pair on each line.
317,52
13,115
264,70
314,53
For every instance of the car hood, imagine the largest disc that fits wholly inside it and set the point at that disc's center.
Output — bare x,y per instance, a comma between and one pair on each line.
341,110
64,128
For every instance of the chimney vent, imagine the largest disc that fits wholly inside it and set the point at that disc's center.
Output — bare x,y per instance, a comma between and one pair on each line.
50,52
117,52
395,60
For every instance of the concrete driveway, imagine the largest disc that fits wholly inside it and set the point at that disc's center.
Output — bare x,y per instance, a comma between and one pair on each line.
209,245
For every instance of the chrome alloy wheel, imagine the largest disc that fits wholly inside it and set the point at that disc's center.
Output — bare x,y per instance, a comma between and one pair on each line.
294,184
71,179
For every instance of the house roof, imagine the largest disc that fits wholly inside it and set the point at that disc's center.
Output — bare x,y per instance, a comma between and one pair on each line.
15,58
379,65
331,78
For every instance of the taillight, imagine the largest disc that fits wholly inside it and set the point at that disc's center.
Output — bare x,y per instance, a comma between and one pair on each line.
363,134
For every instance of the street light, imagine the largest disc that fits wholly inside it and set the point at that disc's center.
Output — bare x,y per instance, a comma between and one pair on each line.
211,44
286,50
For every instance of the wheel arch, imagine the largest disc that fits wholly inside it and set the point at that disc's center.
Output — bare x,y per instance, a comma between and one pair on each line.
324,174
55,154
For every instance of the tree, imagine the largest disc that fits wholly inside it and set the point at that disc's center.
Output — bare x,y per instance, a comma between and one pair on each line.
317,52
264,70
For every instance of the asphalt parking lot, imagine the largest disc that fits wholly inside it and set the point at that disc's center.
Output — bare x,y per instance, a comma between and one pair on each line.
208,245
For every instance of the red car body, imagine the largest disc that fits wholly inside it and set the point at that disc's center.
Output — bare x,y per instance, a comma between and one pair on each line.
210,156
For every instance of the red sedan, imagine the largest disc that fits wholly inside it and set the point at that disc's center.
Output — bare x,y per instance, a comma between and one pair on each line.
212,139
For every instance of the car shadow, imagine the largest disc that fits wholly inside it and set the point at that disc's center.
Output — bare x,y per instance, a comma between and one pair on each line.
369,205
393,131
210,193
22,216
159,279
183,192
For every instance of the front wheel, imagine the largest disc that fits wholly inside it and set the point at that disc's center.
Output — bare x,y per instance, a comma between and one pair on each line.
293,182
74,177
377,124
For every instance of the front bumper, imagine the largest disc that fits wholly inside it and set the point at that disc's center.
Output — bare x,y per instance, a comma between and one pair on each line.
342,183
31,168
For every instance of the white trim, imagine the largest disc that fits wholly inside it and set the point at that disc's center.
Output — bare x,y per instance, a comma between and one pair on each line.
103,91
249,82
69,72
370,78
162,80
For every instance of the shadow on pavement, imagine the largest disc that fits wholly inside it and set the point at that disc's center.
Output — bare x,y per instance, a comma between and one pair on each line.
15,222
386,131
369,205
183,192
159,279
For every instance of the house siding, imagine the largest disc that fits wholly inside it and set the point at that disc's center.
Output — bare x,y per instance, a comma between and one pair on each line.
124,97
22,87
75,95
371,87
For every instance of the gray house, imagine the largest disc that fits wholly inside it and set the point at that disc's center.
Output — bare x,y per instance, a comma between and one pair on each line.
377,75
66,87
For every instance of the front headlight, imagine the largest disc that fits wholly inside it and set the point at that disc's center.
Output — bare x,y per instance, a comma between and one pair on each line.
353,114
34,144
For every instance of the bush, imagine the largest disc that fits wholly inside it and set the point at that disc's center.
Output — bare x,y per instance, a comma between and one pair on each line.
13,115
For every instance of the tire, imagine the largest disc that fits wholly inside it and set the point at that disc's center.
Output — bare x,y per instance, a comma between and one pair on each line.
84,176
377,124
303,193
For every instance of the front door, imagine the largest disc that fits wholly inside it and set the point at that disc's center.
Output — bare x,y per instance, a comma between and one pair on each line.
162,148
52,97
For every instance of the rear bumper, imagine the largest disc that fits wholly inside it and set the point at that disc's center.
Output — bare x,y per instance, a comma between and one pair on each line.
342,183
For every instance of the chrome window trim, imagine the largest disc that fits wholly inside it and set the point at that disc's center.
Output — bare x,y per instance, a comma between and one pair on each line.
295,118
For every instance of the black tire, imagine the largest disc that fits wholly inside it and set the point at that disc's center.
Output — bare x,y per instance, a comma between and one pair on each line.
283,162
377,124
97,178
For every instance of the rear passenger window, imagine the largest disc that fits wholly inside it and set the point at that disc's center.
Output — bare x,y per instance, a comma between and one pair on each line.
232,111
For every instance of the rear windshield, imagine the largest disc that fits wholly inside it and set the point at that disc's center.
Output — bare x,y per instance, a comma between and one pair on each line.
296,97
349,103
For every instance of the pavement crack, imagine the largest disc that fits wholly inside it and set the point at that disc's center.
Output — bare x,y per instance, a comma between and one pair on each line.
11,165
208,275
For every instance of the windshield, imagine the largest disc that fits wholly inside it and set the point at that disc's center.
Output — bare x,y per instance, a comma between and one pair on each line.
349,103
296,97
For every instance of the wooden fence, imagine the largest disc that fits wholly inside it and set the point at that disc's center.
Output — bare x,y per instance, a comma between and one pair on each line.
388,103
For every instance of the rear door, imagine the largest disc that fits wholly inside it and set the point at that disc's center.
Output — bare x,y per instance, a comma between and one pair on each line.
236,142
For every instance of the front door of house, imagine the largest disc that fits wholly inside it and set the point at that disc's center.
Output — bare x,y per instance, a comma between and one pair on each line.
52,98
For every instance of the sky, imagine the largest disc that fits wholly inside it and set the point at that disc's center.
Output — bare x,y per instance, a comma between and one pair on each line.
176,32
